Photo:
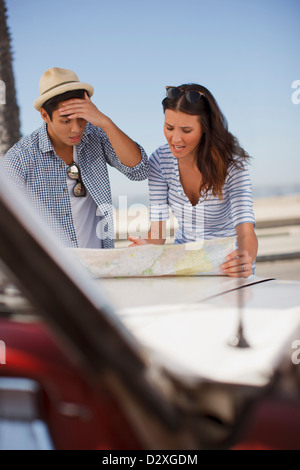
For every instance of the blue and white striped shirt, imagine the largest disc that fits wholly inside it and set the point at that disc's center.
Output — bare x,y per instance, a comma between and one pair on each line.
34,167
211,217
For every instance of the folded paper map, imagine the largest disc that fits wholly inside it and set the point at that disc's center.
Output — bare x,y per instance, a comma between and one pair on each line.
188,259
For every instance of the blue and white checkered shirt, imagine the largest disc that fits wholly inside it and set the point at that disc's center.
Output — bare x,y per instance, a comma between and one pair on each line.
33,165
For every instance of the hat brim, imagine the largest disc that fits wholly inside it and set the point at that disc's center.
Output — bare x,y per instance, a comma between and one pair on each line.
38,103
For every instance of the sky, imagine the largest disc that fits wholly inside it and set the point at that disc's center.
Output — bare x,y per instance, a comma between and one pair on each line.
246,52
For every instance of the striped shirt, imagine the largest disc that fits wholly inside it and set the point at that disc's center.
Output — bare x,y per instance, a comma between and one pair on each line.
34,167
211,217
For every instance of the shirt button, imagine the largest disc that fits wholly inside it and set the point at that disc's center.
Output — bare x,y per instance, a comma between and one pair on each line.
65,190
72,239
68,215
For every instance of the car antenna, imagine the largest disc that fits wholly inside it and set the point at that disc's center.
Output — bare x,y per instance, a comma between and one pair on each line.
238,340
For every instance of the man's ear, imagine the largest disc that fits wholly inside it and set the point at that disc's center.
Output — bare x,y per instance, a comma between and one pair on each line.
45,115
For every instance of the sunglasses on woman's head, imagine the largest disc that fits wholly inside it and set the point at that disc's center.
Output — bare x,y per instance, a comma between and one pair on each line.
73,172
192,96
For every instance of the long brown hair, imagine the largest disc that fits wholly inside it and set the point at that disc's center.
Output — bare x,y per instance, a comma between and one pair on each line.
218,148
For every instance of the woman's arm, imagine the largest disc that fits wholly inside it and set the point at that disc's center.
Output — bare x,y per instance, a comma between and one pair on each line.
239,262
156,235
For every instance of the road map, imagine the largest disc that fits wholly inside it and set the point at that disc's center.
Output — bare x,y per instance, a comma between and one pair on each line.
188,259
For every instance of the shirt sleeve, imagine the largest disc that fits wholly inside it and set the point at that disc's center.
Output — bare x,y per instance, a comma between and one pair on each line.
240,193
158,190
137,173
13,169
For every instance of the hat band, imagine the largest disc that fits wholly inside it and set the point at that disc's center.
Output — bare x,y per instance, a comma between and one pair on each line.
60,84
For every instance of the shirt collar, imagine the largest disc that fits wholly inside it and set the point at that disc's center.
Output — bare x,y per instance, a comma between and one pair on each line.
85,137
44,140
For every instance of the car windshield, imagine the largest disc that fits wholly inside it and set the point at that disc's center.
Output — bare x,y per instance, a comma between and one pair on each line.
54,284
13,302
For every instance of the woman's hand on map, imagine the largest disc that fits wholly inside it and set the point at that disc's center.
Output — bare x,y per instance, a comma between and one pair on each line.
137,241
238,264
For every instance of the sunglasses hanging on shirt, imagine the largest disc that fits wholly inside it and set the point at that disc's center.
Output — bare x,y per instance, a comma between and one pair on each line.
73,172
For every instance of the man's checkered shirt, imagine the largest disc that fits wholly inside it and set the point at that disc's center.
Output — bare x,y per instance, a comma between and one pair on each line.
33,165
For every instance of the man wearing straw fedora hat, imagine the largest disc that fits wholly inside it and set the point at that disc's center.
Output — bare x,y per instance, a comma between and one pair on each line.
63,164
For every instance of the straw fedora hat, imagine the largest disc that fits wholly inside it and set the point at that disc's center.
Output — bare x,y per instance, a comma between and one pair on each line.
56,81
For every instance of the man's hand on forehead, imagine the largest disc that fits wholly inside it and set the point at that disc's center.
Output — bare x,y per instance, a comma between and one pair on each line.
83,109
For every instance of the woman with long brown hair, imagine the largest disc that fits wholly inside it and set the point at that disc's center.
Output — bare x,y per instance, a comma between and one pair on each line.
202,175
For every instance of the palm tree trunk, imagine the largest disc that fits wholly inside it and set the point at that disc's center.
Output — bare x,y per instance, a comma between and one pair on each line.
9,110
